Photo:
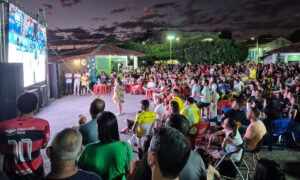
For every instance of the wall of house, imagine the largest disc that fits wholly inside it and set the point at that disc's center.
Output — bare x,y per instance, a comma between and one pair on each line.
264,48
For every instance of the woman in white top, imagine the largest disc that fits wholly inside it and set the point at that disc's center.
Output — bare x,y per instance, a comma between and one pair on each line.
231,142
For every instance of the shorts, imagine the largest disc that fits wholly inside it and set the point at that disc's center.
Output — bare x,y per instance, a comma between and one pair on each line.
68,85
83,88
202,105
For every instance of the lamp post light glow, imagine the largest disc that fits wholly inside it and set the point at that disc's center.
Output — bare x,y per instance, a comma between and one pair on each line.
170,38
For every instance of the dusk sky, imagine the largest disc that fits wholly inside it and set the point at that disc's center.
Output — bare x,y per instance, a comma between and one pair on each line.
92,20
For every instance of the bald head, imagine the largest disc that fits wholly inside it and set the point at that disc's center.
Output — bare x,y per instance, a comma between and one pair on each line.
66,145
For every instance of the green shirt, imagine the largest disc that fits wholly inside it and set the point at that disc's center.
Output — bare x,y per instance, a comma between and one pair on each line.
107,160
205,91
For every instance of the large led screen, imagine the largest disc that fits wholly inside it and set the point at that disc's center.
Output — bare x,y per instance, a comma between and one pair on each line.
27,45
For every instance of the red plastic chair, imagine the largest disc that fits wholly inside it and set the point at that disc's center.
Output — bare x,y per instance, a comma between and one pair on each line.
139,89
224,104
149,94
202,128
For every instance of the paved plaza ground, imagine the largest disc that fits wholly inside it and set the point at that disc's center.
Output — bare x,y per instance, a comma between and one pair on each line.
64,112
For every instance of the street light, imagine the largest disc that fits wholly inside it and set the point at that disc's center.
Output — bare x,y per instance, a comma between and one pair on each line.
170,38
253,38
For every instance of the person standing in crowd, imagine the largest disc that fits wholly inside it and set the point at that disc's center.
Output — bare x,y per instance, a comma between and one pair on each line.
160,109
21,140
252,70
83,84
94,78
118,96
88,82
77,78
205,95
168,153
89,130
63,152
68,77
195,90
110,158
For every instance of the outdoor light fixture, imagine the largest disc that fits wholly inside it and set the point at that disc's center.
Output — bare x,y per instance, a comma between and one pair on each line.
170,37
177,39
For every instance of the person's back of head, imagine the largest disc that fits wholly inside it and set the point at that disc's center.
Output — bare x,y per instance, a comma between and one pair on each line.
239,102
179,122
168,153
268,169
145,104
255,113
27,102
174,107
66,145
107,127
190,100
96,107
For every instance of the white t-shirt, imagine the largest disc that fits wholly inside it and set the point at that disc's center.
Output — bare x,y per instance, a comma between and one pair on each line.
88,74
68,75
151,85
233,146
237,89
160,110
77,76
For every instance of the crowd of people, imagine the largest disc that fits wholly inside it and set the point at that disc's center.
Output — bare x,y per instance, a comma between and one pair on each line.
182,96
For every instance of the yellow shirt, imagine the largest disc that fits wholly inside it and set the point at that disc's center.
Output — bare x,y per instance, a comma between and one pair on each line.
144,117
180,103
245,79
255,132
252,73
192,113
83,80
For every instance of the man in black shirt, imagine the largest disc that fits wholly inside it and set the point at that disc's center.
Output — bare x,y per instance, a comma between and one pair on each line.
236,112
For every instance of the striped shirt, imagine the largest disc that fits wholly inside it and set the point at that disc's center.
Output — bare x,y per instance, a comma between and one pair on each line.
20,141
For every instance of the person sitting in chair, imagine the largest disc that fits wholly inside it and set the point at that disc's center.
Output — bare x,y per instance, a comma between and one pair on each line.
255,131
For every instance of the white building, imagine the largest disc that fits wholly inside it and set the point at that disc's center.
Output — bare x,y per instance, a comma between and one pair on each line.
261,49
287,54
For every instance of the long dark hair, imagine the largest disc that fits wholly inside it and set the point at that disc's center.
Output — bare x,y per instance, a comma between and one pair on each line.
267,169
107,127
233,126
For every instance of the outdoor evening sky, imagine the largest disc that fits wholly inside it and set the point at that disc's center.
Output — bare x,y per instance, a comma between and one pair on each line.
127,19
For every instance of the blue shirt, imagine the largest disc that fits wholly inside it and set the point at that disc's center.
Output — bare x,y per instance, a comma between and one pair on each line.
89,132
81,175
196,90
225,89
94,77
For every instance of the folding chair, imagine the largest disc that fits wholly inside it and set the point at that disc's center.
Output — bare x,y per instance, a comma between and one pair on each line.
236,164
279,127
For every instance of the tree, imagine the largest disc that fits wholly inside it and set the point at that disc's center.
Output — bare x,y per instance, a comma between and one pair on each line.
110,39
295,36
219,51
226,35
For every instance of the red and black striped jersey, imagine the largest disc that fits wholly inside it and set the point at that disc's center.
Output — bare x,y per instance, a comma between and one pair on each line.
20,141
